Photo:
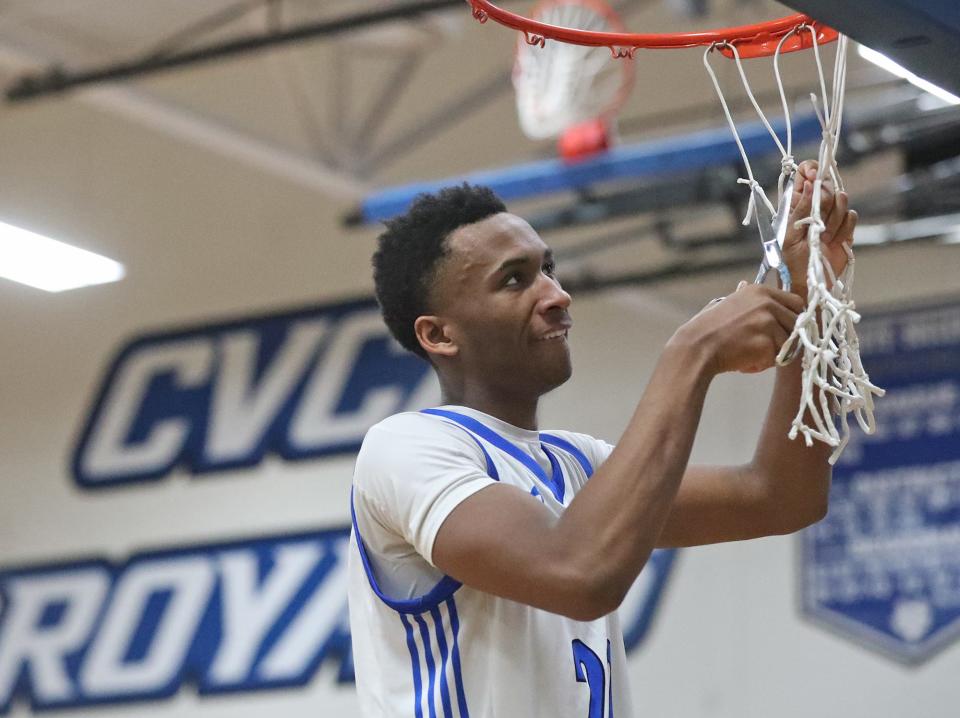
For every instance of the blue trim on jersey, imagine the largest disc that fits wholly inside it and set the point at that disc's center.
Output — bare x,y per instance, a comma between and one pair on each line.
556,475
491,467
570,449
444,589
455,658
554,483
444,655
415,660
431,665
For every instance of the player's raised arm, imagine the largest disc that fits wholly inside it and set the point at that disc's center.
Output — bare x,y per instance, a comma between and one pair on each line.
786,484
581,564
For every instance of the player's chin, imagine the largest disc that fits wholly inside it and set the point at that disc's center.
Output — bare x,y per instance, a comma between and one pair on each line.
556,372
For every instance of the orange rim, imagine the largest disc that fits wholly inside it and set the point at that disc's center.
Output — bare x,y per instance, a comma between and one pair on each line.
757,40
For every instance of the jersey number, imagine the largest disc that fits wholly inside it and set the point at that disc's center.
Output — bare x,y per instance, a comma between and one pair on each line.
588,668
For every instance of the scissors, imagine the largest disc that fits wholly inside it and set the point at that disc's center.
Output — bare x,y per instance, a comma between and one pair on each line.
773,230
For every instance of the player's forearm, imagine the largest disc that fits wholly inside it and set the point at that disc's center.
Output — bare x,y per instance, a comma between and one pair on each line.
613,524
794,479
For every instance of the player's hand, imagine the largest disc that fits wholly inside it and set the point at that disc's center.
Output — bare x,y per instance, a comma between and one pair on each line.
839,221
744,331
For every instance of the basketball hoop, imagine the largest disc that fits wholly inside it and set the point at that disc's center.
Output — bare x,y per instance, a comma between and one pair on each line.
757,40
571,92
834,382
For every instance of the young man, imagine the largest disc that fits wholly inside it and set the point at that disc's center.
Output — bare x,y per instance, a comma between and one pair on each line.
486,568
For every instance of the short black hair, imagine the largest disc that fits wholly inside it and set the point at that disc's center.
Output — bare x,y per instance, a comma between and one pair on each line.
408,251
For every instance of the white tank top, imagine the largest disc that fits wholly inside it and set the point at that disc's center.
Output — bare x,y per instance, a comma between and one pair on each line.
426,646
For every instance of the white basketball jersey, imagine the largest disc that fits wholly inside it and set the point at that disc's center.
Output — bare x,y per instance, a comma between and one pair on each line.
425,646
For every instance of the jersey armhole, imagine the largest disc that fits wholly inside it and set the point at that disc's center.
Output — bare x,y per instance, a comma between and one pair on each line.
447,585
443,590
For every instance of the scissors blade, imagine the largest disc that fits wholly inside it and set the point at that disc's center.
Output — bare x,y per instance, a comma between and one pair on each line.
779,224
773,231
765,223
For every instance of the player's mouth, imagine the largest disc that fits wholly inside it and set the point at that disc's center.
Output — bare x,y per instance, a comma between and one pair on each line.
552,336
558,332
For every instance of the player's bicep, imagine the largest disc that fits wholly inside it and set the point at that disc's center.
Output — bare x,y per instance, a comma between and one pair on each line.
501,541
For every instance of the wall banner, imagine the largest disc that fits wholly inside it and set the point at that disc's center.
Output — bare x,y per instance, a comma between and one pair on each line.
217,618
298,385
883,567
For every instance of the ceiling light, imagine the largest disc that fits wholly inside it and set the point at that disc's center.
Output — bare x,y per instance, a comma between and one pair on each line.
945,228
47,264
894,69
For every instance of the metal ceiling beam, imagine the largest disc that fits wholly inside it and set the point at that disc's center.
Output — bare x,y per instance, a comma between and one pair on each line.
204,132
58,80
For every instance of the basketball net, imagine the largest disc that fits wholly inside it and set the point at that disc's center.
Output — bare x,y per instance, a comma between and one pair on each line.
571,92
833,378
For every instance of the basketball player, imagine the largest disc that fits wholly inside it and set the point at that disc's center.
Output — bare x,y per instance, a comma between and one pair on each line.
488,558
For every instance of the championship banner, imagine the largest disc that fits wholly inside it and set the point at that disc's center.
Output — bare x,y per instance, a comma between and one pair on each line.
883,567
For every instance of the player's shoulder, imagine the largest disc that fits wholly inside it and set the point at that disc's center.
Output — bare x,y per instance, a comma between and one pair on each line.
414,433
412,444
413,424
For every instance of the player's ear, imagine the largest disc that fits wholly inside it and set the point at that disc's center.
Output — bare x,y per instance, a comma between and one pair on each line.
434,336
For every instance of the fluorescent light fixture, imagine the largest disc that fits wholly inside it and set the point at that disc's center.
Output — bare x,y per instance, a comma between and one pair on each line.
946,228
894,69
44,263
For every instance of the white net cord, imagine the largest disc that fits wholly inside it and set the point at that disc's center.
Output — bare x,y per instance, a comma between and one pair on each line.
833,378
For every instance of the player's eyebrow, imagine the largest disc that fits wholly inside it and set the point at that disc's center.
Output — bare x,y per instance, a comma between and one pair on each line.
524,259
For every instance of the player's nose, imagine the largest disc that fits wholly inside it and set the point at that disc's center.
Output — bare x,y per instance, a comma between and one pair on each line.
553,298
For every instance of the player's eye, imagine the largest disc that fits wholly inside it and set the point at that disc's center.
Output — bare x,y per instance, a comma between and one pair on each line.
514,279
550,268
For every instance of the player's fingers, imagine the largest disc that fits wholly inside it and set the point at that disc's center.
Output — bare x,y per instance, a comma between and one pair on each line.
780,336
802,180
845,232
802,201
837,217
827,201
790,301
716,300
785,319
807,169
